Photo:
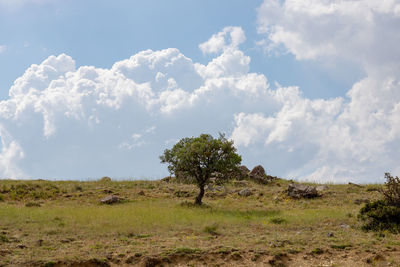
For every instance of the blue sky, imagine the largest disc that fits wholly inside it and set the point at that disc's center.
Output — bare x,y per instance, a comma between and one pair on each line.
100,33
300,92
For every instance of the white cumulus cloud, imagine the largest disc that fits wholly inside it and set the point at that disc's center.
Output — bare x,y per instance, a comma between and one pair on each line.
347,138
64,121
228,38
68,122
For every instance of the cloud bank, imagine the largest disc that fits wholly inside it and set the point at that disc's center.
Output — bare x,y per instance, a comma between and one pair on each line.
61,121
351,138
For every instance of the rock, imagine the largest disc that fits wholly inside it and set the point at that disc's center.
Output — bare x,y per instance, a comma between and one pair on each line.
357,185
345,226
258,175
111,199
244,192
321,188
105,179
141,193
243,173
257,172
330,234
21,246
220,188
302,191
211,188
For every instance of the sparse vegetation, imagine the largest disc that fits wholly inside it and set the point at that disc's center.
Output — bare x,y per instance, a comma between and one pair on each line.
211,229
72,228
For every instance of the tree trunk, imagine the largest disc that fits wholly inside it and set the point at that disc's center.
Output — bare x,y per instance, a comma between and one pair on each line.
200,196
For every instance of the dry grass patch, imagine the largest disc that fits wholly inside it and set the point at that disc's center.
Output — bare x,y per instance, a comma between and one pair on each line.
71,226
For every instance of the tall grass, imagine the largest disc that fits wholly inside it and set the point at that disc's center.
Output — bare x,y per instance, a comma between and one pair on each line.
146,216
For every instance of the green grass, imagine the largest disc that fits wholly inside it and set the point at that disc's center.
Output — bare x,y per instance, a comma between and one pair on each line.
153,216
71,223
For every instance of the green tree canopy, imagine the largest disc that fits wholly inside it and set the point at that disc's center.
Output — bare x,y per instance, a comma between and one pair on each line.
199,157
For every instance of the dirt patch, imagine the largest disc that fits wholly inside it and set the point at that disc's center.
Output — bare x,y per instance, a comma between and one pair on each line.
236,258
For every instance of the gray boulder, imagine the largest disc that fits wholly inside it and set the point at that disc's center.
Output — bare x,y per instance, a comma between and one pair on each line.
321,188
258,175
111,199
244,192
243,173
302,191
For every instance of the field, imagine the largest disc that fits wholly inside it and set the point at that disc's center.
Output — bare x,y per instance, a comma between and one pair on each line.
62,223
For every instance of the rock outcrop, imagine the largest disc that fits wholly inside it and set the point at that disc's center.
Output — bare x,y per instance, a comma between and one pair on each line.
302,191
258,175
111,199
244,192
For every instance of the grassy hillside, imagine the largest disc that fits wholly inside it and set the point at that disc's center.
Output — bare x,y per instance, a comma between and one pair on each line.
46,223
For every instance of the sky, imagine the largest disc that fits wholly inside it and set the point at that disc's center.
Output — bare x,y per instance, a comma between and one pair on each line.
308,89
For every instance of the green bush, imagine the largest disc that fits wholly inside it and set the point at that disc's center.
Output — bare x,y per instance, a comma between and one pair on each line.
379,216
384,214
391,192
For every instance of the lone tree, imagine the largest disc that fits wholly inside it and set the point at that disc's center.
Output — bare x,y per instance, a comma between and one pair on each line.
199,157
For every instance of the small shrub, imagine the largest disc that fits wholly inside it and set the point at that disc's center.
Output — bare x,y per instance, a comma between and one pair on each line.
391,192
317,251
277,220
1,198
4,239
32,204
383,214
78,188
49,264
211,229
380,216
